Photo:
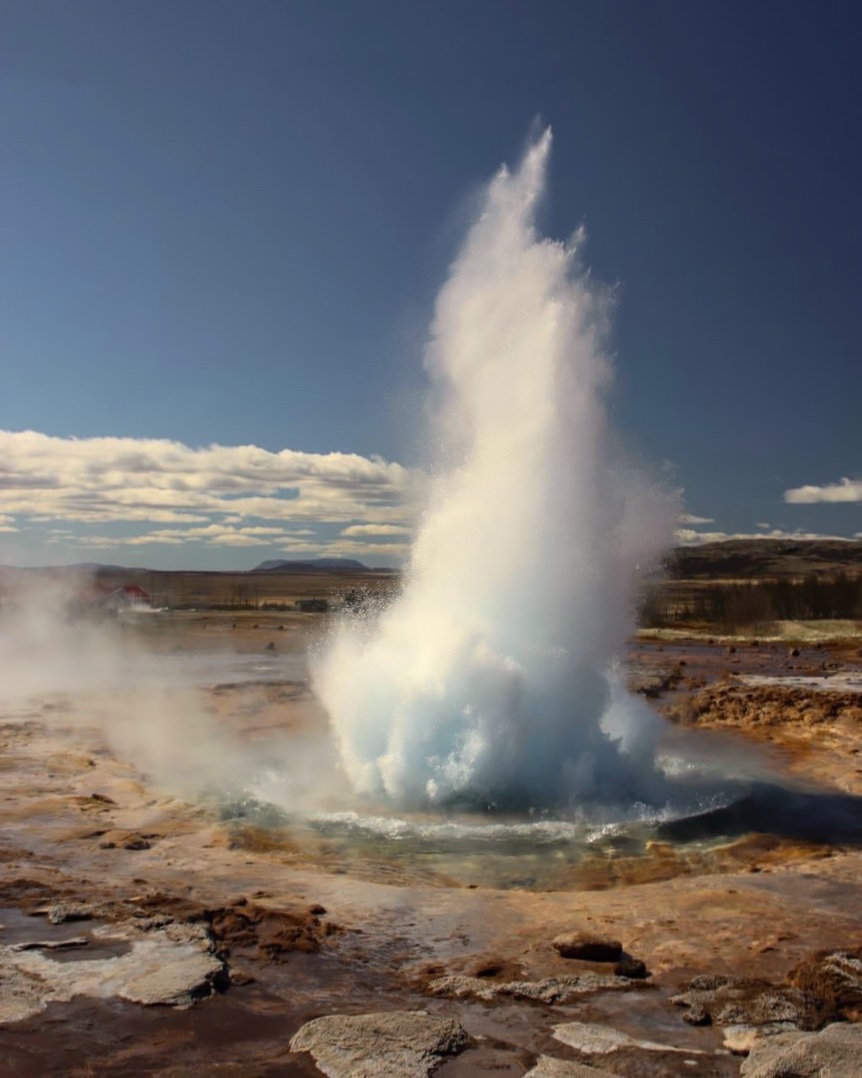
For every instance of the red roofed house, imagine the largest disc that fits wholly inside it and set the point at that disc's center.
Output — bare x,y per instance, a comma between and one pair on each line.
128,597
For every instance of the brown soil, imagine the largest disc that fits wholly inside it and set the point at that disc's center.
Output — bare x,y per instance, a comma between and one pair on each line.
766,906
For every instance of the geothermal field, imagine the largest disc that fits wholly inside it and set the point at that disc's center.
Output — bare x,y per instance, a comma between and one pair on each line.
473,818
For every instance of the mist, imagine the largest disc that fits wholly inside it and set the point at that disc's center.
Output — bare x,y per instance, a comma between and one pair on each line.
67,666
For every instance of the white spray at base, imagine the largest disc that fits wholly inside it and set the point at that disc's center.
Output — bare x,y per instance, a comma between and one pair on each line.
491,679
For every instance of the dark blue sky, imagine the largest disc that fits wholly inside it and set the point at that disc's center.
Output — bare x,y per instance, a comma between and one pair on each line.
226,222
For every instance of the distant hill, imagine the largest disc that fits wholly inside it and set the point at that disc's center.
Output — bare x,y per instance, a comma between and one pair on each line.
758,559
312,565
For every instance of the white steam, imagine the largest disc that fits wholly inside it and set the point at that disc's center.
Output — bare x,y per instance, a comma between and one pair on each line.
492,677
97,679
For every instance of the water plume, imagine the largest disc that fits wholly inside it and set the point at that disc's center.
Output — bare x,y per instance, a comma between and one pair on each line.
492,678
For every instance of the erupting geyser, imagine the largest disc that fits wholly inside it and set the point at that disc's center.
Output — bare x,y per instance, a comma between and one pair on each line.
491,680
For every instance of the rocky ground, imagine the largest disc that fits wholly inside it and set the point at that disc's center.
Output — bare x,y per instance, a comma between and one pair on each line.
147,934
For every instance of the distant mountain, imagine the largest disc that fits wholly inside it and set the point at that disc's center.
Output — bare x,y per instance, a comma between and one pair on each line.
312,565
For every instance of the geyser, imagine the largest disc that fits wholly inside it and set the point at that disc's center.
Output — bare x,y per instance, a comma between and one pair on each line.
492,679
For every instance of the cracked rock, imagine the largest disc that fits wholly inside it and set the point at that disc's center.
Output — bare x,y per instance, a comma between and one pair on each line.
547,990
835,1052
173,967
737,1001
396,1044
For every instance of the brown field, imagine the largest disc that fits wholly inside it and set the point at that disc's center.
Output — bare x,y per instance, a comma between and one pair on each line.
151,928
747,586
184,590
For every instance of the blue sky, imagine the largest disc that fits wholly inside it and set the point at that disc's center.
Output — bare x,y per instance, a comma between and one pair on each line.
225,223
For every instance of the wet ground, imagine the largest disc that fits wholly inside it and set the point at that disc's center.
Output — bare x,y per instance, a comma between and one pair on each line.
324,914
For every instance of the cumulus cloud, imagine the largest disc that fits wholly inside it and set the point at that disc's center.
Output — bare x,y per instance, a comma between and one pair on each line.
845,490
216,489
690,537
376,529
212,534
690,518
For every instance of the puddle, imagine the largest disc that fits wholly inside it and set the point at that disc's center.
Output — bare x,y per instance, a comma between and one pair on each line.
96,948
19,926
512,1036
71,941
115,1039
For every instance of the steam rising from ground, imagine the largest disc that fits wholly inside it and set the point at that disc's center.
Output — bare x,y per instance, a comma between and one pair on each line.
492,678
98,677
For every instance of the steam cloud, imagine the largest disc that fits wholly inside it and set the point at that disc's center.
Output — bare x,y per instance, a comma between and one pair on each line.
492,678
107,686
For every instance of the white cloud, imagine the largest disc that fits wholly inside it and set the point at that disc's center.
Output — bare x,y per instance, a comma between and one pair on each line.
289,543
212,534
376,529
689,537
845,490
107,542
92,481
353,549
690,518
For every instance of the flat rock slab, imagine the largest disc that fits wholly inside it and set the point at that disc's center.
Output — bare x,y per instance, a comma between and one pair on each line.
834,1052
52,945
548,990
548,1067
179,981
395,1044
599,1040
172,966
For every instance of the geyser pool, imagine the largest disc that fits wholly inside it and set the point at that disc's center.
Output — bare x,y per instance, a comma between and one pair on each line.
491,680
